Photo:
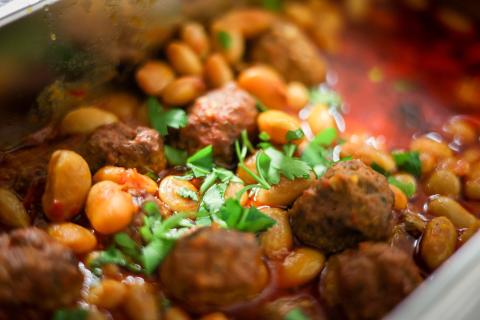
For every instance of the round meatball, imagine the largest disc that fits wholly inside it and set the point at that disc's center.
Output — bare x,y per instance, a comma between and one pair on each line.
121,145
37,271
213,269
291,53
367,283
350,203
217,119
279,309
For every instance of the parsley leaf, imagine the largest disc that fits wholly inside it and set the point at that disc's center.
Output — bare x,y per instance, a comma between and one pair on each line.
175,156
214,197
317,154
224,39
244,219
187,193
287,166
264,136
293,135
272,5
407,188
161,120
154,253
296,314
329,97
70,314
201,162
112,256
408,161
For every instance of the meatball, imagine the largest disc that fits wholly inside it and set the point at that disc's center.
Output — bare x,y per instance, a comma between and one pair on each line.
291,53
217,119
280,308
213,269
367,283
37,271
121,145
349,204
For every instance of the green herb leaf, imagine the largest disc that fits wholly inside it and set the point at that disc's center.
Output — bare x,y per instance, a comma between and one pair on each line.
296,314
113,256
154,253
408,161
174,156
214,198
224,39
287,166
161,120
70,314
327,97
264,136
187,193
260,106
244,219
295,135
201,162
375,166
272,5
318,154
407,188
151,208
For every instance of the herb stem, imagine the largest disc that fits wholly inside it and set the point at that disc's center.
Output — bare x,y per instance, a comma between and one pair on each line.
264,184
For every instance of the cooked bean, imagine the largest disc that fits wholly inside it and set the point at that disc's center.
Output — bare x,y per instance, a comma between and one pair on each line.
108,294
472,188
461,130
283,193
300,267
443,182
277,123
129,178
183,59
277,241
122,104
153,76
175,313
459,167
214,316
183,91
369,155
447,207
265,84
76,237
414,223
297,95
12,211
140,297
171,191
232,189
400,199
471,155
86,120
438,242
428,163
250,22
300,14
467,233
229,42
320,119
438,150
217,71
109,209
68,182
195,36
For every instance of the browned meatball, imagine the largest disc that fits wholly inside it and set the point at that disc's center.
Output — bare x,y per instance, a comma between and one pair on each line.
291,53
280,308
119,144
37,271
367,283
350,203
213,269
217,119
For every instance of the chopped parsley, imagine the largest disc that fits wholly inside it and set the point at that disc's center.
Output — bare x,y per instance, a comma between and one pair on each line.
408,161
296,314
406,187
162,119
174,156
318,153
295,135
326,96
264,136
272,5
187,193
201,162
70,314
244,219
224,39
